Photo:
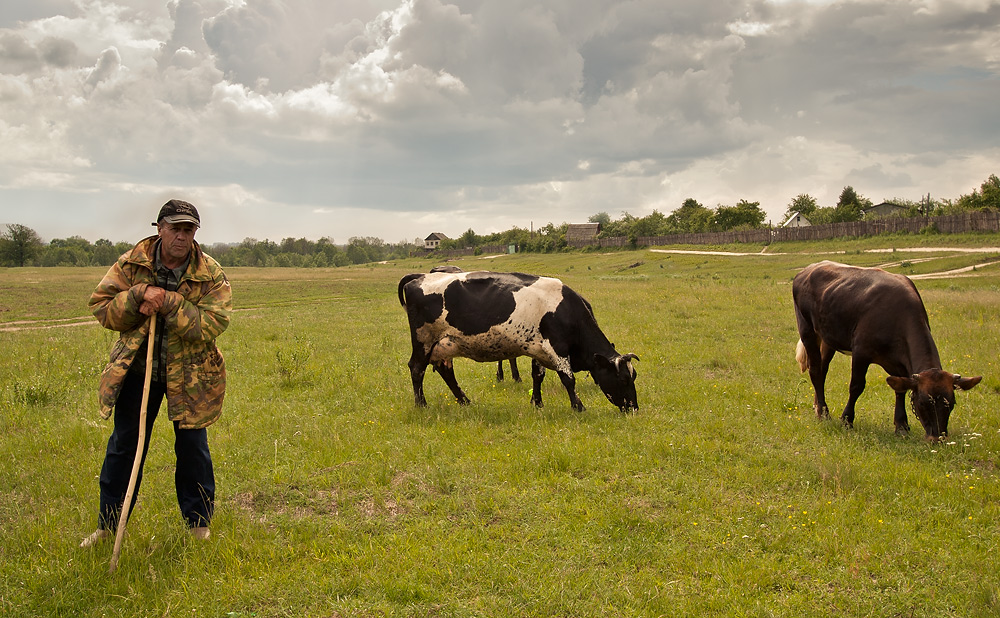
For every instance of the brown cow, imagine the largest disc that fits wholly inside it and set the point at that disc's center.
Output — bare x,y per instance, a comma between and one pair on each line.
875,317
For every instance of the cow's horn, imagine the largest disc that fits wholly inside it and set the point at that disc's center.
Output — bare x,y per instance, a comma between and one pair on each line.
630,355
956,376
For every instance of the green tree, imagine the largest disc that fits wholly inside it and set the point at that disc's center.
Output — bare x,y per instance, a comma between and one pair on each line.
105,253
621,227
361,250
823,214
743,215
253,252
329,251
468,239
299,246
514,236
804,204
850,205
691,217
19,245
990,193
547,239
987,198
653,224
602,217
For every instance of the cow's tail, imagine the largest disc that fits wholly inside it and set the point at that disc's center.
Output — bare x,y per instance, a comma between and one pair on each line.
801,356
402,284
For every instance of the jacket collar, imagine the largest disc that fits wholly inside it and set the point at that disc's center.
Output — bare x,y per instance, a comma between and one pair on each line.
144,254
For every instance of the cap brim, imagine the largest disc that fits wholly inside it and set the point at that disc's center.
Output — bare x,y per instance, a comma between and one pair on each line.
182,219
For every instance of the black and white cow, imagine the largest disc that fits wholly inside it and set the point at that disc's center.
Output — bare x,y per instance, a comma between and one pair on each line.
514,373
487,317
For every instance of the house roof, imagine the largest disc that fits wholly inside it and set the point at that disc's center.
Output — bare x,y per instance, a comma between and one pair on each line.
582,231
793,217
885,206
436,236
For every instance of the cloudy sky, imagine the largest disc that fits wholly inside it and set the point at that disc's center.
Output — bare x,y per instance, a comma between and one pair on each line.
398,118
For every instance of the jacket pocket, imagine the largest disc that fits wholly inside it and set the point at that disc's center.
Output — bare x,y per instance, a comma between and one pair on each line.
202,388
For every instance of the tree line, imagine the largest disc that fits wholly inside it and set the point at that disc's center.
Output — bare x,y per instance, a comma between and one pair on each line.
21,245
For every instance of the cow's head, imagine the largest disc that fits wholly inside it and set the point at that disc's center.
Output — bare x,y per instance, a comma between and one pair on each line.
616,377
932,393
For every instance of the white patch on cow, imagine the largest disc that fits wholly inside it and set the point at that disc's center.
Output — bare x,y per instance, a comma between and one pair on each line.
518,336
435,283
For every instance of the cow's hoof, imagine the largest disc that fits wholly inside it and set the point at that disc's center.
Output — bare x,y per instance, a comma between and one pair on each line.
902,432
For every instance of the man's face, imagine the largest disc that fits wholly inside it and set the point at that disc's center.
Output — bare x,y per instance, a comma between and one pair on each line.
177,239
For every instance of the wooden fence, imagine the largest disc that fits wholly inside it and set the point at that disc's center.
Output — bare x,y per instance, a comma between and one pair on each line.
948,224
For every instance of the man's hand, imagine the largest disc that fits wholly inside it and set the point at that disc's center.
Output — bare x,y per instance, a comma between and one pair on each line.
152,300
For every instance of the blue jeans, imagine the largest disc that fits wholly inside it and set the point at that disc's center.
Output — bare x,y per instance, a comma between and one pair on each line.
194,478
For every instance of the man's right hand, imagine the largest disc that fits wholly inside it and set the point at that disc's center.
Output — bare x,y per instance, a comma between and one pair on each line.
152,300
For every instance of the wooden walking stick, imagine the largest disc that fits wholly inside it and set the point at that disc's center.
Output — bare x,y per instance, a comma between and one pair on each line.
137,463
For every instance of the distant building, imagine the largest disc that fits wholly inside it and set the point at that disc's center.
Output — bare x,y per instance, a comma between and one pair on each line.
582,234
796,220
434,240
883,210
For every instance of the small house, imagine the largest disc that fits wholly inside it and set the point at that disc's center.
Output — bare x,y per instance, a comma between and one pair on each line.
582,234
883,210
796,220
434,240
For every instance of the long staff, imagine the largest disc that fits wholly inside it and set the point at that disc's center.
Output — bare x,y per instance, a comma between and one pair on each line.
137,463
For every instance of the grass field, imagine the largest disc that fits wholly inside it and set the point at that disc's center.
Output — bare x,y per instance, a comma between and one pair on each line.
722,496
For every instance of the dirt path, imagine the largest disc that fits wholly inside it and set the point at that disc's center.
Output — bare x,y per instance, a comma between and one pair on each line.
10,327
908,249
968,271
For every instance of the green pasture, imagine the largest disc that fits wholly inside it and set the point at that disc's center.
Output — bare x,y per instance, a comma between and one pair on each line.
337,497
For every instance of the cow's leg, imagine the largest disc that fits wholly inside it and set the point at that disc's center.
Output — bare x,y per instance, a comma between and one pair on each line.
447,372
819,364
418,367
514,373
859,369
569,381
499,371
537,373
902,424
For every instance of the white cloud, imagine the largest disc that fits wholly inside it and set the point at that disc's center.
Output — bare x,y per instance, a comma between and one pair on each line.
311,118
108,65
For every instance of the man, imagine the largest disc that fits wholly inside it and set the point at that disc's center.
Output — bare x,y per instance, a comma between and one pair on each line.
167,277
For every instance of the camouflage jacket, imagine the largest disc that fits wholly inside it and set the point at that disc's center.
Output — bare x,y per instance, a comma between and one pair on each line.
195,315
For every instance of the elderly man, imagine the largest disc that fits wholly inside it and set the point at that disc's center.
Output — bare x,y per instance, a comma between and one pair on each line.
168,278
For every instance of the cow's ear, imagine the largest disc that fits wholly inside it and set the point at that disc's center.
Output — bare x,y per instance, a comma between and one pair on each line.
901,385
603,362
966,383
